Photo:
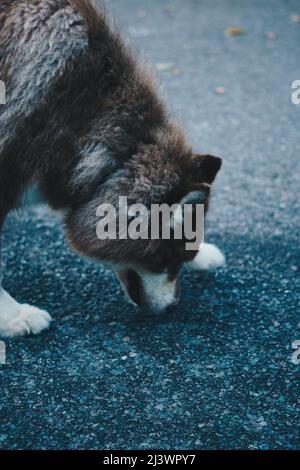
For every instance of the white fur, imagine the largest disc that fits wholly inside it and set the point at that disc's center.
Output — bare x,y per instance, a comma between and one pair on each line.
159,291
208,257
20,319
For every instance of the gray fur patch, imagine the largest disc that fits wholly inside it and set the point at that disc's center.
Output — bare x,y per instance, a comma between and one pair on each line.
94,158
45,42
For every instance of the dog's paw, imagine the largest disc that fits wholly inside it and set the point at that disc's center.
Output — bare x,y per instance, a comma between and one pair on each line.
208,257
28,320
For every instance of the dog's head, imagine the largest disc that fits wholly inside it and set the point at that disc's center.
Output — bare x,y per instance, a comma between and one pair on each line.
164,173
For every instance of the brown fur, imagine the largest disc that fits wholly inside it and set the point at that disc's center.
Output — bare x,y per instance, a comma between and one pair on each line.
97,102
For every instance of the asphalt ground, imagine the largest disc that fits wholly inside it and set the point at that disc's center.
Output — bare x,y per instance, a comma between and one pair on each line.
217,372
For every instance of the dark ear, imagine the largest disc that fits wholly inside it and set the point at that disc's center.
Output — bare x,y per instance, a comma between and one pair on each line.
194,197
206,167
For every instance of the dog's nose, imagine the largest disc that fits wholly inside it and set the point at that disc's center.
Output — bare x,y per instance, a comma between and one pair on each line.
170,308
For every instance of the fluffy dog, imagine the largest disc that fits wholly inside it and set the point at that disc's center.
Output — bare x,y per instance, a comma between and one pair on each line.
83,125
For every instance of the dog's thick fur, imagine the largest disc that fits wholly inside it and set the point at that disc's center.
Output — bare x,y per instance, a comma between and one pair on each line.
84,124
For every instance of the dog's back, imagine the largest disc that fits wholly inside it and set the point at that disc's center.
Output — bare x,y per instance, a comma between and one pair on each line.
64,70
37,40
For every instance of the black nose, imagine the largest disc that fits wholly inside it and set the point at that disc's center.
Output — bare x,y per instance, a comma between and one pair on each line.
170,308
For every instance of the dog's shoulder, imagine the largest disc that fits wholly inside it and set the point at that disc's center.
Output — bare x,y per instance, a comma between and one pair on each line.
39,38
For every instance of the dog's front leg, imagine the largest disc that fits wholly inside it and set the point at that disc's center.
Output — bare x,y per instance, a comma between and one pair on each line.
208,257
19,319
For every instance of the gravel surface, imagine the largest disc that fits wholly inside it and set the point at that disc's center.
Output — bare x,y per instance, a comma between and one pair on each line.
216,373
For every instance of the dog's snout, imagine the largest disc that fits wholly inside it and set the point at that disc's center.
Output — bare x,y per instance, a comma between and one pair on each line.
152,291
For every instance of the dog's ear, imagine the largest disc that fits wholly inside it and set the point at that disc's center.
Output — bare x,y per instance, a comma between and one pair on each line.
199,195
205,167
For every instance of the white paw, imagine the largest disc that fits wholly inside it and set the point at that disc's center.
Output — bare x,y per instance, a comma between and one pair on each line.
28,320
208,257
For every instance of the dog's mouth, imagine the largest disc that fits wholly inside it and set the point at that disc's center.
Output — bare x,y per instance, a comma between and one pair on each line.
132,285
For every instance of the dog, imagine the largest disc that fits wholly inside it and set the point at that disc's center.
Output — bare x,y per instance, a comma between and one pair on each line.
83,124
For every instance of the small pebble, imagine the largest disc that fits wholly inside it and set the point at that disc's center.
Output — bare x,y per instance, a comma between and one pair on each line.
165,66
235,32
132,354
295,18
141,13
220,90
263,423
176,72
271,35
169,8
124,358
